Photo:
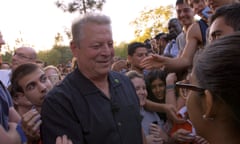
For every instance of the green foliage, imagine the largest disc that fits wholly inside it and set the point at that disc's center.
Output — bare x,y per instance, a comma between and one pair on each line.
152,21
57,55
7,57
83,6
121,50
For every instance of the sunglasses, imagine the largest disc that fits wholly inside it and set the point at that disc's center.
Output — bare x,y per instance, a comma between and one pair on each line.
186,86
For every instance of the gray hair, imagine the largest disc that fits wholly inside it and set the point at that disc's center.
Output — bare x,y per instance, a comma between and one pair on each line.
80,22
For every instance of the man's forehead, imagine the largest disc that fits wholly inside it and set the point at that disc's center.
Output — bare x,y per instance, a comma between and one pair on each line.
183,5
141,50
33,76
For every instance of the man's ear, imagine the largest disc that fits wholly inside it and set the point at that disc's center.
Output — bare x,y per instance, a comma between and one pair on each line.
129,59
73,47
209,105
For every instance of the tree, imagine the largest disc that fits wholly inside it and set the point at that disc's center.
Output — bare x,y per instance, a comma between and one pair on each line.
83,6
121,50
7,55
151,22
58,39
57,55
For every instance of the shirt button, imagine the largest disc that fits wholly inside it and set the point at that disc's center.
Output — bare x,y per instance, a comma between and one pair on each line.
119,124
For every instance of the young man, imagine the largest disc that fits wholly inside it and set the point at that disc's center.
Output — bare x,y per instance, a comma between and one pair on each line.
137,51
224,21
214,4
195,40
30,81
185,16
174,29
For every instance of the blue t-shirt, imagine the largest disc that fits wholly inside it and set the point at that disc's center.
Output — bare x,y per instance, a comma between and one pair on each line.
148,118
5,104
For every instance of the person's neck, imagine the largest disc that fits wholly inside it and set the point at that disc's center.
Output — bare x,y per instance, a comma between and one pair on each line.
100,81
103,86
222,134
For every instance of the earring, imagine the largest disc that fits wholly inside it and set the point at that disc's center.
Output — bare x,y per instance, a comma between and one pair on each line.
207,118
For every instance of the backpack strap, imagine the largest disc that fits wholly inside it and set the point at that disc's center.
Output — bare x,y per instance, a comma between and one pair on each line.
203,27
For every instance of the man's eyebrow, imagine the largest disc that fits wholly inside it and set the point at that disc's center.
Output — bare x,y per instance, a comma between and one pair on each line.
43,75
215,32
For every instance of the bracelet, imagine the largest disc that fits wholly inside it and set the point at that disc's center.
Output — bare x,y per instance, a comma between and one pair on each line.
170,86
21,133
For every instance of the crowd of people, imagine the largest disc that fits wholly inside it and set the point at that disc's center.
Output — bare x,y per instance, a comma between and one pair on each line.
178,87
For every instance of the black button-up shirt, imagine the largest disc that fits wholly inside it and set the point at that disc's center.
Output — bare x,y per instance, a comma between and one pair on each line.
80,110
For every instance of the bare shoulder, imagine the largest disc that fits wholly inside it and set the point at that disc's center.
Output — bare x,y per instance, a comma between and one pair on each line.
194,32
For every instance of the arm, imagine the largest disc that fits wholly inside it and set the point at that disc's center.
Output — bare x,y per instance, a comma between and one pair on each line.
13,115
170,89
144,137
58,118
11,136
167,108
171,97
193,37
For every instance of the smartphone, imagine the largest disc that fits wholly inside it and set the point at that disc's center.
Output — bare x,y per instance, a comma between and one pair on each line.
155,122
206,12
191,135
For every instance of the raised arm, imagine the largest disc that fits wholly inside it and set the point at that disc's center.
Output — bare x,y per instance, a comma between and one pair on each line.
193,38
167,108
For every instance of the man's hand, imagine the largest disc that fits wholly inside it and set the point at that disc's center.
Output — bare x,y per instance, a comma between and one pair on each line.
153,61
31,124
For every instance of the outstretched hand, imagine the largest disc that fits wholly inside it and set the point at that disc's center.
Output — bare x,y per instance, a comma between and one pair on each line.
63,140
172,114
153,61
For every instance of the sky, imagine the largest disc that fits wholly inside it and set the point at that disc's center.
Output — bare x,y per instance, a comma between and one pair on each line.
38,21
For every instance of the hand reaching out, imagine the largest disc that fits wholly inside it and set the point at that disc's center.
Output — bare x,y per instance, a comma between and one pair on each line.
63,140
153,61
172,113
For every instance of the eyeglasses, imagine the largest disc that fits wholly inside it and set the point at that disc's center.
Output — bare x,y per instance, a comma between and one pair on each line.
185,86
22,56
